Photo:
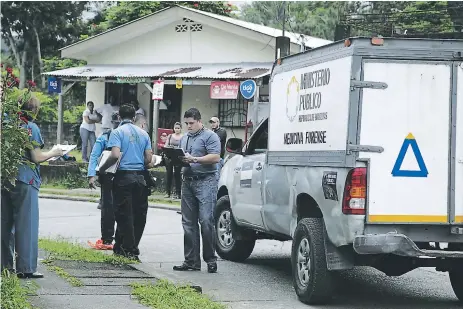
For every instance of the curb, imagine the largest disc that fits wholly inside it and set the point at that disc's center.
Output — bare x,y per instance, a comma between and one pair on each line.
96,199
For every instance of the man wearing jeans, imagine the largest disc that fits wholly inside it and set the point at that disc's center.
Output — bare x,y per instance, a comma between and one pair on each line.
133,145
199,192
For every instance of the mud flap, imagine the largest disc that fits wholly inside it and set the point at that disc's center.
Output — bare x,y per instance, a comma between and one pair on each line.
338,258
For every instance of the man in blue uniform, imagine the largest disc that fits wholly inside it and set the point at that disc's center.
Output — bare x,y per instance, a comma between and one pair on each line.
107,210
20,204
199,192
133,146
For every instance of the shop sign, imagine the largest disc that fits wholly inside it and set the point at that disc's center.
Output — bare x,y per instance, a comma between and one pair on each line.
158,90
248,89
178,83
224,90
54,85
130,80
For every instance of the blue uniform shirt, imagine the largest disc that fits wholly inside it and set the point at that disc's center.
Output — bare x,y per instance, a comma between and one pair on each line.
26,174
132,141
200,144
98,148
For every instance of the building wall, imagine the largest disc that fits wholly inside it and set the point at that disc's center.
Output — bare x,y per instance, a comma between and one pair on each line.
166,46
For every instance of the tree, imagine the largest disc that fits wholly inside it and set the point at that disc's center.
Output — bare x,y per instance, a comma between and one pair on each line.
314,18
14,139
30,28
127,11
414,17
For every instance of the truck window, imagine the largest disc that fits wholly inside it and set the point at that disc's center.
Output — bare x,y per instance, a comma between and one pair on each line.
259,141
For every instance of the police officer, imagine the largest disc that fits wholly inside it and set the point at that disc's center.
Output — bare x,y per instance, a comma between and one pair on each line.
199,192
133,146
20,203
107,211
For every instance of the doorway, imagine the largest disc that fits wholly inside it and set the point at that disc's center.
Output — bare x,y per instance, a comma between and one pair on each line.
173,101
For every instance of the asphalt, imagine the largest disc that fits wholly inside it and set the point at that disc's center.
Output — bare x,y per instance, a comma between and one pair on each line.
264,280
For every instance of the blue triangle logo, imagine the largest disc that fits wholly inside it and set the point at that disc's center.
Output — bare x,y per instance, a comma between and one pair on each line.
397,172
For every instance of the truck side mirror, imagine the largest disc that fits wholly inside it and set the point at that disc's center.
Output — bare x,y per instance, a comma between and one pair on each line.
234,145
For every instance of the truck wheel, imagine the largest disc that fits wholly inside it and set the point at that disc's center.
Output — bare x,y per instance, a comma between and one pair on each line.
456,279
228,247
311,277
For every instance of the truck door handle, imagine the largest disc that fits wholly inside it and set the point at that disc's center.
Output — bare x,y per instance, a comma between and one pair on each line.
460,160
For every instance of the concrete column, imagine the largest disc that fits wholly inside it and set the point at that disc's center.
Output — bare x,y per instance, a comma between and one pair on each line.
155,122
59,132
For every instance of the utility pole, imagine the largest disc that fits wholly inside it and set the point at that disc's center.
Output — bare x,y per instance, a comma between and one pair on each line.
284,17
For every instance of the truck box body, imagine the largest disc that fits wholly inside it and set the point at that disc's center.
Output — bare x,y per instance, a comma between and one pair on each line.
396,106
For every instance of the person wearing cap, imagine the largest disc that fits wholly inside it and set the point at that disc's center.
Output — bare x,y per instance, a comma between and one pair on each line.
106,202
222,133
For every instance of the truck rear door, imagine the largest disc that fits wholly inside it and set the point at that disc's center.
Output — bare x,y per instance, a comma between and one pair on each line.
409,182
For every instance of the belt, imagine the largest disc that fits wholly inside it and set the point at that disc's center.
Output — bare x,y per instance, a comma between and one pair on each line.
196,177
121,172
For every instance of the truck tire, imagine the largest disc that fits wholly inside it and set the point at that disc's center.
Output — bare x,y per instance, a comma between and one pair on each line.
311,277
456,279
228,247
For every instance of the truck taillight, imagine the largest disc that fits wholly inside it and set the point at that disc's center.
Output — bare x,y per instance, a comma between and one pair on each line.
355,192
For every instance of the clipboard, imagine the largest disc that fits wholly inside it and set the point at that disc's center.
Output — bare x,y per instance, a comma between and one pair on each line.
174,154
103,158
66,149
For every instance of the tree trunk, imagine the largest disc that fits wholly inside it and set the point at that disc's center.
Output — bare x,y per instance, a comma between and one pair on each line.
12,46
39,57
32,70
22,67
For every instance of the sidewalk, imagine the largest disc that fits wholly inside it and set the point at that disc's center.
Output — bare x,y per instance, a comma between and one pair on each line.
93,195
104,286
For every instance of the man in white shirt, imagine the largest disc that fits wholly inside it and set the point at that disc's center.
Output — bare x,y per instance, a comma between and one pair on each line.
106,112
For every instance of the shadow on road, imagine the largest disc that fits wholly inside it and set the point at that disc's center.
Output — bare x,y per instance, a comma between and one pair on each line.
365,287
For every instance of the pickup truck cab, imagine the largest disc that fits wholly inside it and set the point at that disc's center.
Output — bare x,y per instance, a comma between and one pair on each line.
359,164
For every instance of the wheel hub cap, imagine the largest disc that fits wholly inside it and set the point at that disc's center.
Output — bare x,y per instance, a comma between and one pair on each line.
303,262
224,231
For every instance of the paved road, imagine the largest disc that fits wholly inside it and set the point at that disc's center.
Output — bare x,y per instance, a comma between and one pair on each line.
264,280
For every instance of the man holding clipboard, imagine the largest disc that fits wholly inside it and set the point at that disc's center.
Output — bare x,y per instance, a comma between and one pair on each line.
200,153
132,146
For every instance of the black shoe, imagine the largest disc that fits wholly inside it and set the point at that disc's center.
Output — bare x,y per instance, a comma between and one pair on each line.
212,267
99,206
179,212
186,267
35,275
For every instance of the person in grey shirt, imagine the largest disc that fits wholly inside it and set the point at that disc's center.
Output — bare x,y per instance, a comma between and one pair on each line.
199,192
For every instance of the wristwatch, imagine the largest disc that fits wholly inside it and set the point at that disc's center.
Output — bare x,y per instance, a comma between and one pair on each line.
195,160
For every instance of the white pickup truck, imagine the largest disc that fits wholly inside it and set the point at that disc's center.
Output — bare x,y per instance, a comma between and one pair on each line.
359,163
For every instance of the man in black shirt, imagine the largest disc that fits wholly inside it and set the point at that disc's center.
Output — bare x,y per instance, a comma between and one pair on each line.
221,132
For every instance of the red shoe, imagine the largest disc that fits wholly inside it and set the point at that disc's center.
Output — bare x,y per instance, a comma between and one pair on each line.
99,245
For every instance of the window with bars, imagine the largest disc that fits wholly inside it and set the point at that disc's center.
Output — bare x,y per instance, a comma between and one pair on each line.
233,113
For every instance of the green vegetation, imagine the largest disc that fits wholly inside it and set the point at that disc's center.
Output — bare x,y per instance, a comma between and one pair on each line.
13,294
60,249
63,274
165,295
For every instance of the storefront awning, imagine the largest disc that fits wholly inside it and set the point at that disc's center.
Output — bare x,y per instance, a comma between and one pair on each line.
185,71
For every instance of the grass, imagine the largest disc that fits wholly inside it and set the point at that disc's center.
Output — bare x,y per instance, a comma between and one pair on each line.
165,295
63,274
13,294
60,249
153,199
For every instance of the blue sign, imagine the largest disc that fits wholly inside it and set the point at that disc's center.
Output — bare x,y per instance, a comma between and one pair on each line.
397,172
54,85
248,89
